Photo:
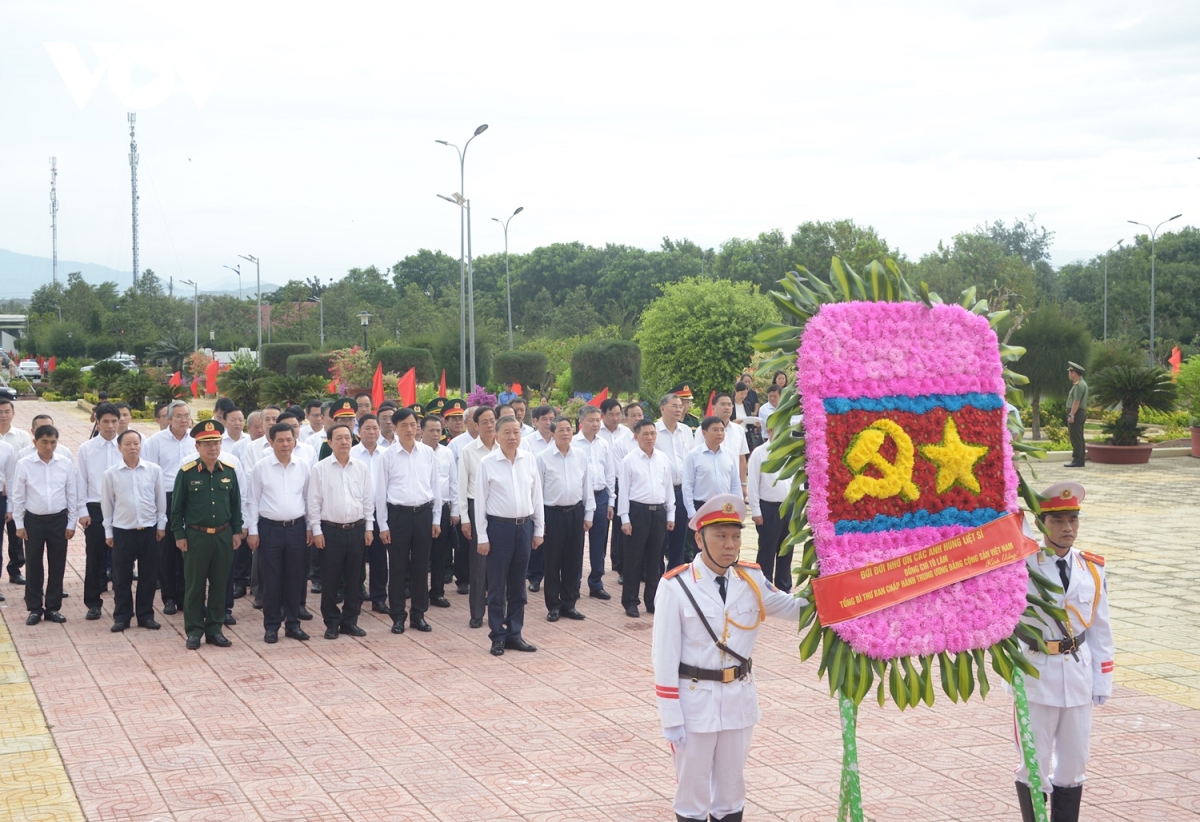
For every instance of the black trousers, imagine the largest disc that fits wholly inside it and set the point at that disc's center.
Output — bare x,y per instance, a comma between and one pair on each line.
377,556
617,551
674,542
243,562
341,566
412,540
440,555
777,569
170,564
129,546
46,545
644,552
283,563
597,539
462,556
562,552
16,545
95,552
477,575
1075,431
507,564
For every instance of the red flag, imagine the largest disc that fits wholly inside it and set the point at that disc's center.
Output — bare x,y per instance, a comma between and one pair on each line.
196,388
599,398
210,377
709,411
176,380
518,390
377,387
407,386
332,388
442,387
53,364
1176,359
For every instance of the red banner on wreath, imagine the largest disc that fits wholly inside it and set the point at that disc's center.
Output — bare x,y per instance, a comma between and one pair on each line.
862,591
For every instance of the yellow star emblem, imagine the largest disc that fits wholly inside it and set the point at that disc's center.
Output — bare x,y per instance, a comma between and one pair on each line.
954,459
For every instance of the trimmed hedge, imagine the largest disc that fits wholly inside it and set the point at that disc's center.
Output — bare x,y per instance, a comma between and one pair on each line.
398,359
275,355
308,365
526,367
612,364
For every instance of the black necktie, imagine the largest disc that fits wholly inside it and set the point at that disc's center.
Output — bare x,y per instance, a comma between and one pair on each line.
721,584
1064,575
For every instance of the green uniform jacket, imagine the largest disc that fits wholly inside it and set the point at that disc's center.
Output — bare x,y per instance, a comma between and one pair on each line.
1079,391
206,499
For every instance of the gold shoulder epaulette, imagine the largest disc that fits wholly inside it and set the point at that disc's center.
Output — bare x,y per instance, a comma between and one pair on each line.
749,565
674,571
1090,557
190,465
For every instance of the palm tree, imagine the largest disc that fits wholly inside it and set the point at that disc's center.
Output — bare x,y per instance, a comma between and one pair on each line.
243,382
1133,388
172,349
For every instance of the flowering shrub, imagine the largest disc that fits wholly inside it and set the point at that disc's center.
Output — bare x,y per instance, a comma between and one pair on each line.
480,396
350,368
195,363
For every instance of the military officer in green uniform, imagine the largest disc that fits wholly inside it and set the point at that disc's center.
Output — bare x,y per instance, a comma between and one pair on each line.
206,516
1077,399
684,392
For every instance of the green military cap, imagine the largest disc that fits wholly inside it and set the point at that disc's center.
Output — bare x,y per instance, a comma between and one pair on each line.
417,409
454,408
1076,367
683,391
343,408
435,405
207,431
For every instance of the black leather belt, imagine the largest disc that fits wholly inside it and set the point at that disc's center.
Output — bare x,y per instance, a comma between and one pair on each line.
221,528
342,526
133,529
565,508
411,509
646,506
509,520
45,517
1057,647
725,675
282,523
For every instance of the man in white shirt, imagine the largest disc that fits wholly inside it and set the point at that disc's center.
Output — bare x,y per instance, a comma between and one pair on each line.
603,470
520,410
610,417
235,430
766,494
45,499
570,504
468,433
709,470
95,457
453,423
735,435
8,470
234,441
276,508
387,431
16,439
168,449
314,416
367,450
254,430
510,525
676,441
541,438
631,415
407,495
341,512
126,418
133,506
768,408
255,450
646,505
302,451
484,420
441,553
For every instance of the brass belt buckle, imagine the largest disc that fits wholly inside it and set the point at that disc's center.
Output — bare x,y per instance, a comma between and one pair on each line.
728,675
1053,647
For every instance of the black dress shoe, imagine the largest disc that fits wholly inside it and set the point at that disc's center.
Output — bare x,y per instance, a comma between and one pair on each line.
271,637
476,622
439,602
1073,465
257,604
34,618
398,626
316,587
230,619
55,616
296,633
220,640
631,611
17,579
331,632
170,608
93,613
420,624
135,576
649,609
601,594
463,589
352,630
305,613
620,579
149,624
535,586
519,644
1,597
497,647
239,591
571,613
552,616
193,643
118,627
379,608
65,595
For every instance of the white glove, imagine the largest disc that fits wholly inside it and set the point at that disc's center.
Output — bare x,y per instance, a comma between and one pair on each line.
1099,700
675,734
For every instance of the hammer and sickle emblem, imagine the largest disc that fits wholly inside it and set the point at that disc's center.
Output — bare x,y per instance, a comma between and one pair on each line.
897,476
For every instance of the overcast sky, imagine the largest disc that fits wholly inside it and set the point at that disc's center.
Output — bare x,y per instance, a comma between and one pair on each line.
304,132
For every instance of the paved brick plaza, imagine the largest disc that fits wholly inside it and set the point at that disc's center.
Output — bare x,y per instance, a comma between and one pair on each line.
131,726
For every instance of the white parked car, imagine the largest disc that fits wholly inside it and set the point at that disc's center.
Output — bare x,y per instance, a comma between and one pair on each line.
126,360
29,370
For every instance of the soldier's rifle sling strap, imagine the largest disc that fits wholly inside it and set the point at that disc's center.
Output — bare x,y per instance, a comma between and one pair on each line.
707,627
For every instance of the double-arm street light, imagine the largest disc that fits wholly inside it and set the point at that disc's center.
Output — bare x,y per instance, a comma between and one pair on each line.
1153,242
237,271
464,232
507,280
196,311
465,205
1106,253
258,288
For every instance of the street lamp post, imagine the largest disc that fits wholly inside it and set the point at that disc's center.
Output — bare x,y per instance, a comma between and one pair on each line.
1106,253
237,271
365,319
1153,250
196,310
465,205
258,288
320,302
507,280
464,223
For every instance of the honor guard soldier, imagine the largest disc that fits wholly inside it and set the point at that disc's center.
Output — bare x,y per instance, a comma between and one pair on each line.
684,392
1077,399
1076,669
206,515
706,623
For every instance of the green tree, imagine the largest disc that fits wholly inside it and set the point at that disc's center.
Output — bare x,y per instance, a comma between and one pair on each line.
1050,342
814,244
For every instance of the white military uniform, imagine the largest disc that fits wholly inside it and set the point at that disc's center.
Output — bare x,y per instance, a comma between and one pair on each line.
717,718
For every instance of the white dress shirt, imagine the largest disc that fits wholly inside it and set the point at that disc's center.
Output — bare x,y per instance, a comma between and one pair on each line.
133,497
17,438
457,444
602,465
645,479
762,485
44,488
31,449
567,479
168,453
277,491
765,411
735,442
8,466
96,456
611,437
675,446
407,478
707,473
447,479
508,488
534,443
468,470
340,493
307,433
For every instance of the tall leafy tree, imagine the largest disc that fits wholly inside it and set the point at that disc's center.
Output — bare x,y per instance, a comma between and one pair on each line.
1050,342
